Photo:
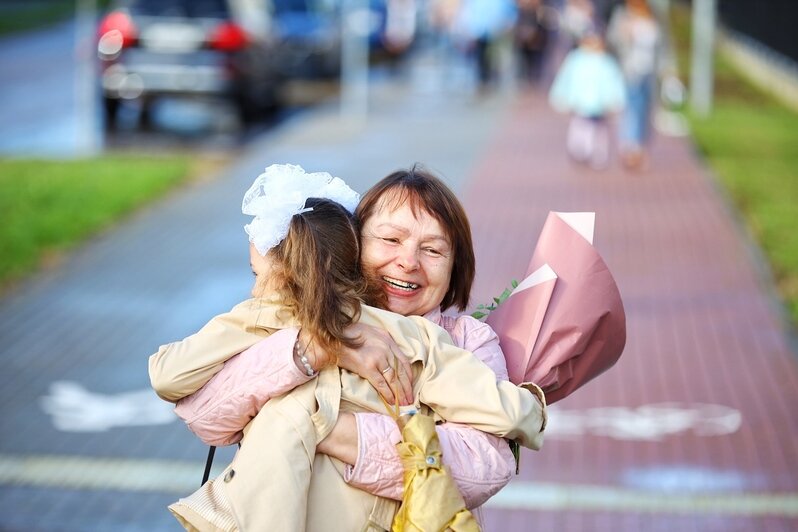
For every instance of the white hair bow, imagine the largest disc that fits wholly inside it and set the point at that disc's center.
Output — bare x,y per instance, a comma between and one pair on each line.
280,192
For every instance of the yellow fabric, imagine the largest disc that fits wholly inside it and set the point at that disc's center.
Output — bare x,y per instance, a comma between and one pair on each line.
431,499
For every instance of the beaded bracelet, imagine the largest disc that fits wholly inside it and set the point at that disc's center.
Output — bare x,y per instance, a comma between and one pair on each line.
308,368
303,359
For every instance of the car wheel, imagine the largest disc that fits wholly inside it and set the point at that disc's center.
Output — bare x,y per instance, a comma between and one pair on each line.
145,115
247,112
250,112
111,107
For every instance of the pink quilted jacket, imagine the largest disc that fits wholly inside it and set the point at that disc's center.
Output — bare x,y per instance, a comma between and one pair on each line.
480,463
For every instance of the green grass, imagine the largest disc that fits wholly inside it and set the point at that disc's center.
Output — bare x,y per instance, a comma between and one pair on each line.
22,15
33,15
48,206
750,141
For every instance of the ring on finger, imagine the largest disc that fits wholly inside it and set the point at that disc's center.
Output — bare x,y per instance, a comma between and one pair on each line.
386,370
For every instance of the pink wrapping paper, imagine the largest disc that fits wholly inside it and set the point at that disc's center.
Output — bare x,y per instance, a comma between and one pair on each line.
563,332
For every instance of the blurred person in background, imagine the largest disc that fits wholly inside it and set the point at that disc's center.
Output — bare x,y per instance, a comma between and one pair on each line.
479,24
400,25
416,242
590,86
636,37
452,70
440,17
531,38
577,18
442,14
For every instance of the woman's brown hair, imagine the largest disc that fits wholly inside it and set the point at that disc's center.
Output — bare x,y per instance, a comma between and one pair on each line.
425,192
317,267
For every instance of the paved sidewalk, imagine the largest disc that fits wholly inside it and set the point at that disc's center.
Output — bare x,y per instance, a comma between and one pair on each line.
694,429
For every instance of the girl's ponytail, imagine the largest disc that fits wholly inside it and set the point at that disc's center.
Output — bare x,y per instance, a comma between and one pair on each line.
319,266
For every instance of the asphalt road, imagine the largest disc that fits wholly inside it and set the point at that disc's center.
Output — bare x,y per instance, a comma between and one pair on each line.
39,93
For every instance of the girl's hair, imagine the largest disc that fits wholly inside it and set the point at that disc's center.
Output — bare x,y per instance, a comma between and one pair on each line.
317,270
425,192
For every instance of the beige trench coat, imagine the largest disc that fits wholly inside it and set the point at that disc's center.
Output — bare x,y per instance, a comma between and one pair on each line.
277,465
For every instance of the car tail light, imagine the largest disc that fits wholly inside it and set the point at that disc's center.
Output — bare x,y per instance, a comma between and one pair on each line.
118,25
228,37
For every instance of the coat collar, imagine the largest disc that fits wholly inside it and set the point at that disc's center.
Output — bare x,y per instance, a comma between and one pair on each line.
271,313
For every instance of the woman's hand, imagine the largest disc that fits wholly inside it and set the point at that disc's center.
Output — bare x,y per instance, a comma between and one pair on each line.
380,361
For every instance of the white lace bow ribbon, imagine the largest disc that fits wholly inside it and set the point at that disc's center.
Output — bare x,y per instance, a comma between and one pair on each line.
280,192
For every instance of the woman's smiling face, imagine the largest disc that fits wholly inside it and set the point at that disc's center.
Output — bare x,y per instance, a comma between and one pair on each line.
410,254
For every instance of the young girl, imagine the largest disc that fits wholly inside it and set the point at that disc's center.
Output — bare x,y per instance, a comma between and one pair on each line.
589,86
305,254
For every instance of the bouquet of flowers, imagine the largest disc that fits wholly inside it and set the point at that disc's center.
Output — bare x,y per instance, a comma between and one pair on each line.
564,324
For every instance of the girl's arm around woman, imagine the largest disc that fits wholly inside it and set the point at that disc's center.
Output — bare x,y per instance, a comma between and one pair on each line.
181,368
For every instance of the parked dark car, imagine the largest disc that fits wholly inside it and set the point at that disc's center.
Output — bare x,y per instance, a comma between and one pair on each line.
308,35
153,48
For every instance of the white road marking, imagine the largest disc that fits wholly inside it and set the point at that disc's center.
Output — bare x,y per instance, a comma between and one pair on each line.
75,409
651,422
76,472
182,478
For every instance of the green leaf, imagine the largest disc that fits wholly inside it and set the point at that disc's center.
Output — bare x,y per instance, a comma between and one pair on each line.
484,310
516,450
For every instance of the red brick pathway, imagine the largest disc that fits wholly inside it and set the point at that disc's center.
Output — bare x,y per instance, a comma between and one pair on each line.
703,329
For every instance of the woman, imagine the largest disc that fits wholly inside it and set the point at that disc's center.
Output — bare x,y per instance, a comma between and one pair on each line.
416,232
421,267
635,36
